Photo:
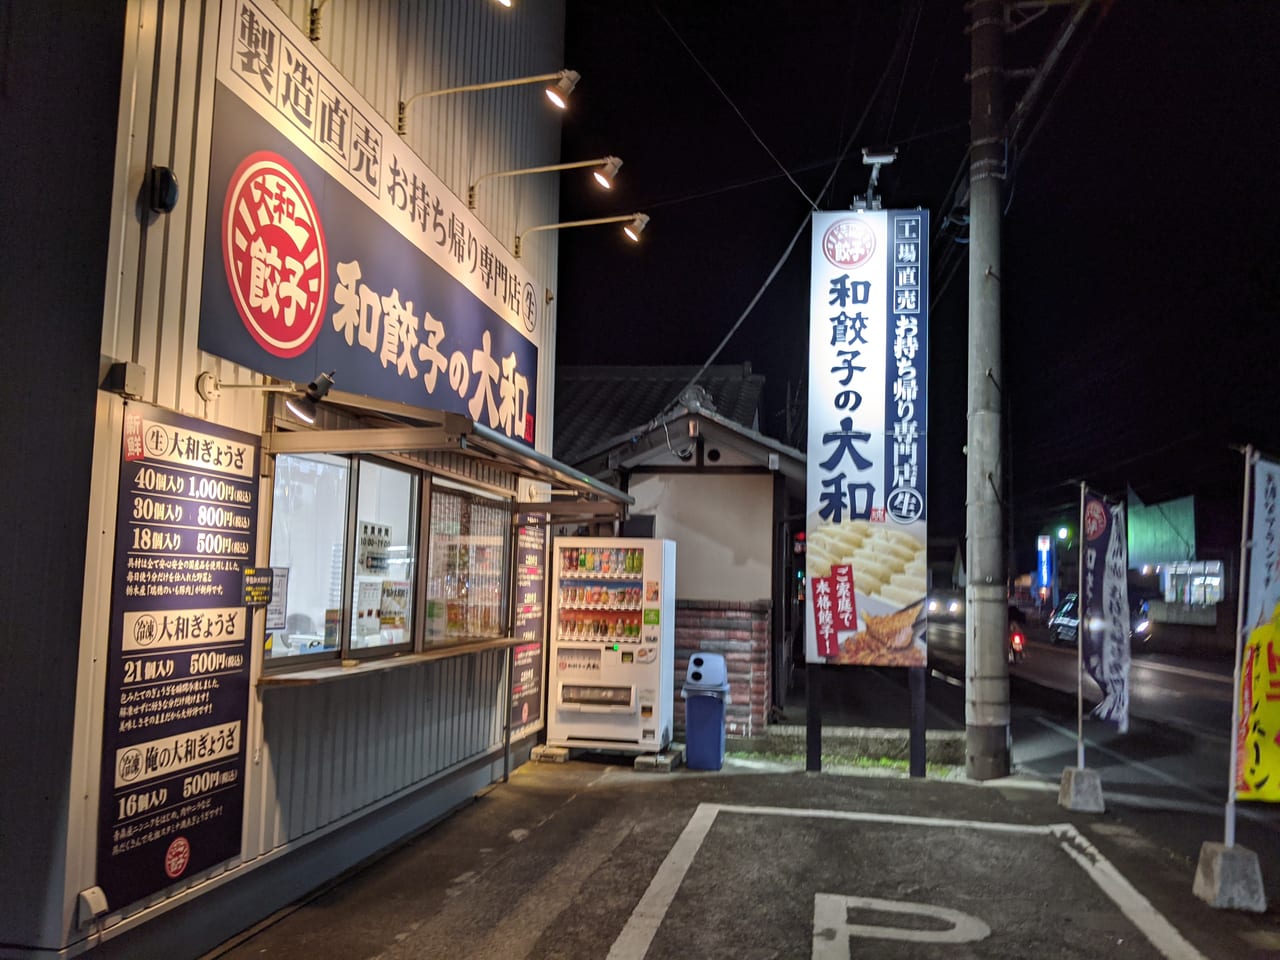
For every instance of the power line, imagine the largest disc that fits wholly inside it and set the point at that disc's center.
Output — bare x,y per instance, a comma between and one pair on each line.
875,95
733,106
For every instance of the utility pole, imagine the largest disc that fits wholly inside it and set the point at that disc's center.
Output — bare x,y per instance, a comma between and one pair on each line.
986,610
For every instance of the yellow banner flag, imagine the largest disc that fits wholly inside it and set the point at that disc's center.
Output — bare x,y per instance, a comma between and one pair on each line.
1258,736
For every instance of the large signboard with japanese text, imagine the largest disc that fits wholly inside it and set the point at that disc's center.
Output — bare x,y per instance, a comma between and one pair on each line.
177,682
866,501
530,624
330,246
1256,743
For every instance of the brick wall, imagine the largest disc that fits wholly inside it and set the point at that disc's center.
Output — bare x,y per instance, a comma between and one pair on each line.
739,630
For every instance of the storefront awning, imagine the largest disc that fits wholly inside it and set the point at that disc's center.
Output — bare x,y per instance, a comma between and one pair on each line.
573,493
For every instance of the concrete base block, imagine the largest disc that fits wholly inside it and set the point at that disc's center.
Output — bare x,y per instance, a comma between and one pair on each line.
1229,878
1081,789
664,762
545,754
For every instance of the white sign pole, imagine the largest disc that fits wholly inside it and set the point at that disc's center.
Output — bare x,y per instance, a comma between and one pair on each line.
1080,631
1229,832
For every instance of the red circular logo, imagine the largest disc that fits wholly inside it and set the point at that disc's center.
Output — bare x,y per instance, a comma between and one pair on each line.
849,243
274,251
177,857
1095,520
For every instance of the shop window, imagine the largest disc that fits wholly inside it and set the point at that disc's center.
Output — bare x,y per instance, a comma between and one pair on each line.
467,565
386,551
345,531
308,532
353,600
1194,582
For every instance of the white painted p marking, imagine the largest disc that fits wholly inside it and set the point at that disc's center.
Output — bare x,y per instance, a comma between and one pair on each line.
832,930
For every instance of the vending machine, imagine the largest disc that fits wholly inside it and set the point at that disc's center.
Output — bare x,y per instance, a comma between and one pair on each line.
612,643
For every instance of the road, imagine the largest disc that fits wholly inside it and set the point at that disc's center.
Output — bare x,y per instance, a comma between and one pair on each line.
1170,768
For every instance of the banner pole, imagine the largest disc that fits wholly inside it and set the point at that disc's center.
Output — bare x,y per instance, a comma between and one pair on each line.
1080,631
1229,828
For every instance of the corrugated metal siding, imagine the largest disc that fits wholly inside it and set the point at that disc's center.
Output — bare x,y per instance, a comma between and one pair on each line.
332,749
324,751
389,49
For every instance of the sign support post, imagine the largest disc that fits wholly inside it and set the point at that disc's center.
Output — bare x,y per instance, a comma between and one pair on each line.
1228,876
1081,788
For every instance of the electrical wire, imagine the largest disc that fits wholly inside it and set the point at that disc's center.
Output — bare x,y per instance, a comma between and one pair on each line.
875,95
804,168
906,66
719,89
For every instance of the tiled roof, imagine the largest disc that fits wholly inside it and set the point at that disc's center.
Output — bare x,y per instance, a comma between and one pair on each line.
595,404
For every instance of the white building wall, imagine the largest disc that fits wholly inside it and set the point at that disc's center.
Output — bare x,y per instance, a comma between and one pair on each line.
320,754
721,526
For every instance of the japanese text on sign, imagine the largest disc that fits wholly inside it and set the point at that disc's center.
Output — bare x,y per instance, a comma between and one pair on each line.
265,60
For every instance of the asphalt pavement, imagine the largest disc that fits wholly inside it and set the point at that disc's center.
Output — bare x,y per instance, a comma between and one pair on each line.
592,858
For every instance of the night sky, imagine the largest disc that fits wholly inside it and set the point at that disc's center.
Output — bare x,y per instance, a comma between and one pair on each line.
1141,255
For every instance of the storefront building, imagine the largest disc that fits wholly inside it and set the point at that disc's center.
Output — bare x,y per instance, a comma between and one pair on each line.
283,397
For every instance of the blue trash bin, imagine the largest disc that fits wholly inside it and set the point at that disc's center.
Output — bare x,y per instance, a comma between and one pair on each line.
705,692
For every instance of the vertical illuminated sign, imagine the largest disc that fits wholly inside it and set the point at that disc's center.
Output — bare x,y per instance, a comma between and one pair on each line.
1044,561
866,498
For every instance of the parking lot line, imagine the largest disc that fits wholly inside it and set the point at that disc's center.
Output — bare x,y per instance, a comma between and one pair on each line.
633,942
641,927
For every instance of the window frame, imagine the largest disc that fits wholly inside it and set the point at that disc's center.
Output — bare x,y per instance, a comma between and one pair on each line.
505,567
419,641
321,658
351,550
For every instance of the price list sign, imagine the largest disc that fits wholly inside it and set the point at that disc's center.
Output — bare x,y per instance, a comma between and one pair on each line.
531,592
177,684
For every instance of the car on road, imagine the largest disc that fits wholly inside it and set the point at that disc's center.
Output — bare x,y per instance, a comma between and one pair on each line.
1064,622
946,605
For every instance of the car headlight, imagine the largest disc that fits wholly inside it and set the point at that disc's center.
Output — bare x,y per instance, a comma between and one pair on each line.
953,606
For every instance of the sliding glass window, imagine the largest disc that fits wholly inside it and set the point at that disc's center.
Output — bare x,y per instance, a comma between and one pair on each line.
308,534
382,584
468,577
345,543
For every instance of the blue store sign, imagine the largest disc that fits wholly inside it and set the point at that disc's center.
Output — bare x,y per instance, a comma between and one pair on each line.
330,246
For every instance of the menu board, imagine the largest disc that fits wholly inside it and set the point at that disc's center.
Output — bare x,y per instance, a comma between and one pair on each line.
177,674
530,617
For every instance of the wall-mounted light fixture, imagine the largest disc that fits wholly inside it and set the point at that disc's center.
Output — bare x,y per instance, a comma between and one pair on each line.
635,224
558,92
606,170
304,407
301,404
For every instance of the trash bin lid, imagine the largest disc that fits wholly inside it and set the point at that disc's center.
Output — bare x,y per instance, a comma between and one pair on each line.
708,669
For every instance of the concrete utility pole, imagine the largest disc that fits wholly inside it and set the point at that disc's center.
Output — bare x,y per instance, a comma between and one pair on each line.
986,611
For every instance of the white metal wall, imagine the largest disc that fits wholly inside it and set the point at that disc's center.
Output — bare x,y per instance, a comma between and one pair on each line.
332,749
390,50
320,752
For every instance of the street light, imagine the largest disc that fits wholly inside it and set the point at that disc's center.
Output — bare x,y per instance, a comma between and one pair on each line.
635,224
607,169
1064,535
557,92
